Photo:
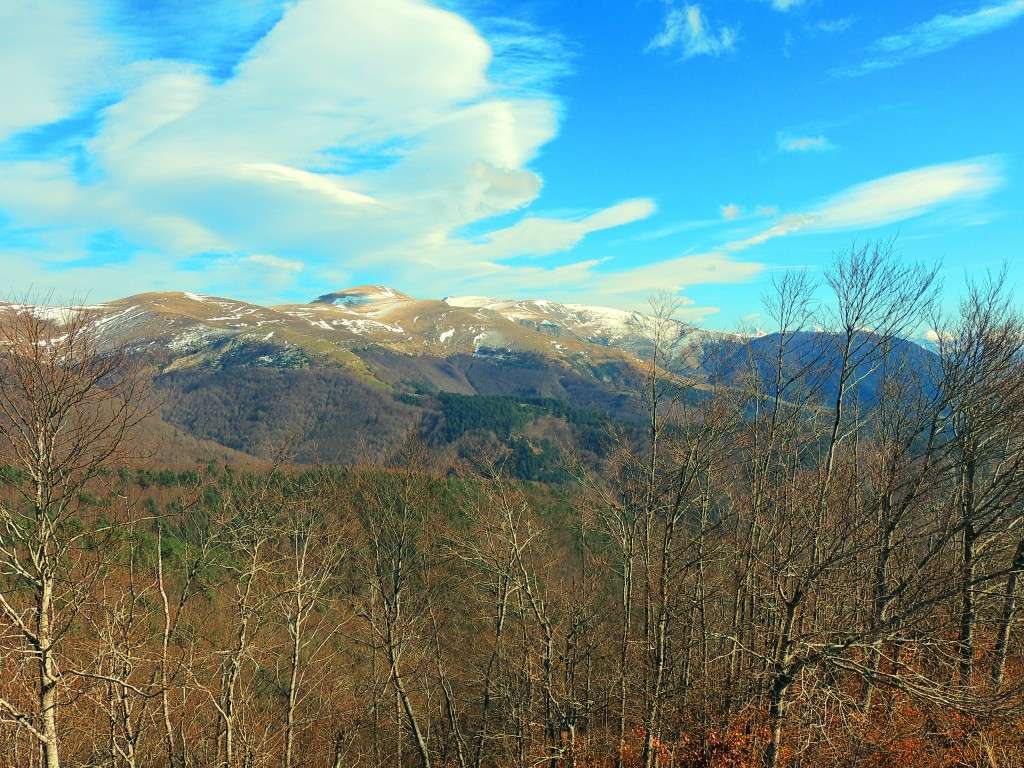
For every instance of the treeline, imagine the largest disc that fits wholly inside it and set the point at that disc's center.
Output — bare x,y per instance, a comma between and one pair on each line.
785,569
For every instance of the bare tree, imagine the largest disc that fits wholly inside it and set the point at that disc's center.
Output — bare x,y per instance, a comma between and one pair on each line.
313,550
175,596
983,380
396,507
802,456
246,530
121,619
67,410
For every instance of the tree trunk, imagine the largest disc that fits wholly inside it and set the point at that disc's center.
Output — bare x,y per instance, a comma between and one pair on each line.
965,661
405,702
627,610
295,629
782,679
1006,617
47,676
499,625
165,639
880,603
776,716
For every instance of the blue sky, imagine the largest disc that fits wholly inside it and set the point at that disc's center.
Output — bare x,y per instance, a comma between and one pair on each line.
590,152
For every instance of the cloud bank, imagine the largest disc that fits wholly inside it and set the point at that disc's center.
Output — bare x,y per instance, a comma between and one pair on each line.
332,137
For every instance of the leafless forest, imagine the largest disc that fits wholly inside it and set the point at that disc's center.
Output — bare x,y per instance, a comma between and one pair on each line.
784,567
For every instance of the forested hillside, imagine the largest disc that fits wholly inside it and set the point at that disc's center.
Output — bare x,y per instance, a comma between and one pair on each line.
326,414
811,559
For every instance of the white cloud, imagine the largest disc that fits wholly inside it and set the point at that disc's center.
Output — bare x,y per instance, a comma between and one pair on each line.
887,200
213,38
688,29
789,143
246,277
352,135
730,212
669,230
526,60
937,34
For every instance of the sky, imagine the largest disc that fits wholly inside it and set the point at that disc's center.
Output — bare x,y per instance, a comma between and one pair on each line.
595,153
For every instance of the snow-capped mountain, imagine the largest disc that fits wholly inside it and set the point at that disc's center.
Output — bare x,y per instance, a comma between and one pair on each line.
347,326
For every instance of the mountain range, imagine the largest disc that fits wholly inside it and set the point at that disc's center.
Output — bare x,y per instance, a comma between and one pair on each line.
346,376
196,329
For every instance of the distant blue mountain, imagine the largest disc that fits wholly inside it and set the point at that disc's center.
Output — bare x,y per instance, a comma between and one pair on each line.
808,364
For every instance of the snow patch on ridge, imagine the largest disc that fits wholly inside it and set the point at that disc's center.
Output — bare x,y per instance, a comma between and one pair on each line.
194,337
368,326
469,302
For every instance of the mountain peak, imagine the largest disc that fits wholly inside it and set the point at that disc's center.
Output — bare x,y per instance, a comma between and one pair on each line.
361,295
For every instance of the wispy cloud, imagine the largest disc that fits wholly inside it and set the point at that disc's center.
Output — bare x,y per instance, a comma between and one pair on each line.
830,26
887,200
688,30
790,143
936,34
319,183
669,230
525,59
